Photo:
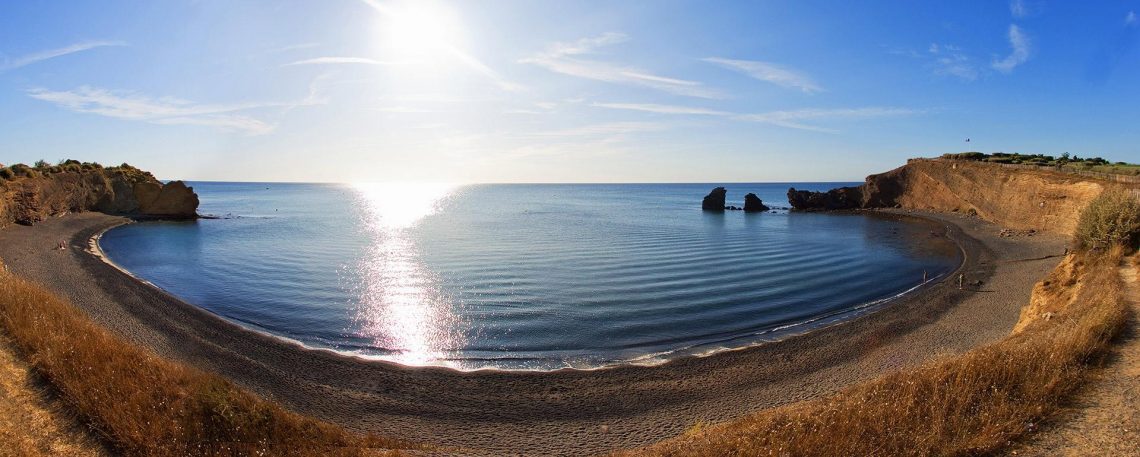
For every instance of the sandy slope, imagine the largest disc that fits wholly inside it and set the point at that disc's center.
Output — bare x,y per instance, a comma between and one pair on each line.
1105,419
566,412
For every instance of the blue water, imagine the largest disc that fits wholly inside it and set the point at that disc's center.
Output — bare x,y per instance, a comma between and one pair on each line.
524,276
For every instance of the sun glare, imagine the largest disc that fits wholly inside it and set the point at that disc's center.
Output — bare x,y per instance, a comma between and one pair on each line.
402,308
420,30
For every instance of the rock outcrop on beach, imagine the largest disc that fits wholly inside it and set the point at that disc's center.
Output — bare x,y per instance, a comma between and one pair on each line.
1024,198
840,198
29,195
753,204
714,201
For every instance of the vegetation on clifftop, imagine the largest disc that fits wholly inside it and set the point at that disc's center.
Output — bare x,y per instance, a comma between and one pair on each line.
42,168
1064,161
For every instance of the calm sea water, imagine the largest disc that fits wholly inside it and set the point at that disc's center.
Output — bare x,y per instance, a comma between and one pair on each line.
524,276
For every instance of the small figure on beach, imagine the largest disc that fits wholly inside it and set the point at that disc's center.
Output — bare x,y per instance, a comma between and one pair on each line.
924,276
961,280
61,246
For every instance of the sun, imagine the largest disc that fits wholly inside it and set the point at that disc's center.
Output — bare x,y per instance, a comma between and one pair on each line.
419,30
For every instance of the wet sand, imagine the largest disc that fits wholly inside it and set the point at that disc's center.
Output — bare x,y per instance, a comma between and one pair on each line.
565,412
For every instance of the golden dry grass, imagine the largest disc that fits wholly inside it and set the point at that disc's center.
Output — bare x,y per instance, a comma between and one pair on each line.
144,405
969,405
32,424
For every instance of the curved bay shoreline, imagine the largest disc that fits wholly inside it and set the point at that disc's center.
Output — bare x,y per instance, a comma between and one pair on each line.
561,412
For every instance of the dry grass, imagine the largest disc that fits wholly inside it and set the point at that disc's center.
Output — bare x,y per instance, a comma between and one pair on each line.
32,423
145,405
1110,219
969,405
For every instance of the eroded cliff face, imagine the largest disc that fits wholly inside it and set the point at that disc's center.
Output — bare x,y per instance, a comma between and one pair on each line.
128,191
1021,199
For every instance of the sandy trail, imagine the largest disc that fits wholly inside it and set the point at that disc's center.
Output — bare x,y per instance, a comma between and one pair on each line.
1105,418
554,413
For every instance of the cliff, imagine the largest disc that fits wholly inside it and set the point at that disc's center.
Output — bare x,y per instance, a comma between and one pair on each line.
29,195
1020,198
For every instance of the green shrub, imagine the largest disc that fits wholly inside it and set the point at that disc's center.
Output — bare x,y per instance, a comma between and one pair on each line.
1112,218
42,164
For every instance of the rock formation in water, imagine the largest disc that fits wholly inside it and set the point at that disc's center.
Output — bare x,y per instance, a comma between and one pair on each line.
753,204
714,201
841,198
29,195
1024,198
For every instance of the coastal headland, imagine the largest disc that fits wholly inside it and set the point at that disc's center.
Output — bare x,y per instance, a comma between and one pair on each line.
573,412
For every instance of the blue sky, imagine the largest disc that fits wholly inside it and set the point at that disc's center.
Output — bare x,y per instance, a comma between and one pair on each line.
529,91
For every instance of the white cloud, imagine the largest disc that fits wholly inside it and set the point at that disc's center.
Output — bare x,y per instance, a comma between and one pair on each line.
605,129
949,60
165,110
793,119
1018,8
1131,19
661,109
341,60
567,58
1020,44
53,53
774,73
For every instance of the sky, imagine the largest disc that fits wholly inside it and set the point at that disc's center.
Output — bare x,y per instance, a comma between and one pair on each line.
556,91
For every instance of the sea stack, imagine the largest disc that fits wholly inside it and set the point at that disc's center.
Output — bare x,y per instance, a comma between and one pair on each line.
714,201
753,204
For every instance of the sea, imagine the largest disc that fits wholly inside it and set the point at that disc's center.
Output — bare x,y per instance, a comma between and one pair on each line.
527,276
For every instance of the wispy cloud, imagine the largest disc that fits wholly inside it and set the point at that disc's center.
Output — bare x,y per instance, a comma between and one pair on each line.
568,59
165,110
794,119
661,109
1130,19
294,47
1018,8
949,60
53,53
1020,54
603,129
341,61
770,72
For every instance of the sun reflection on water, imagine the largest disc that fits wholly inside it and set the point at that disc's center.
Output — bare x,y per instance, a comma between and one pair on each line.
402,307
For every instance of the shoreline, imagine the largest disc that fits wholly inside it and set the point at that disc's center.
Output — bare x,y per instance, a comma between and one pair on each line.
655,359
549,412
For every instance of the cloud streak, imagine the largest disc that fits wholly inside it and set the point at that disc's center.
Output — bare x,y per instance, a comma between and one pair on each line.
53,53
165,110
570,58
661,109
1020,54
341,61
770,72
794,119
1018,9
949,60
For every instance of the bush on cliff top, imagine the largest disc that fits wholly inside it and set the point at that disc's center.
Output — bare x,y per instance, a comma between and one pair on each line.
1113,218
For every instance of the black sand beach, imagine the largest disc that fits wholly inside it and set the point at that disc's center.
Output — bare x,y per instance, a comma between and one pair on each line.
564,412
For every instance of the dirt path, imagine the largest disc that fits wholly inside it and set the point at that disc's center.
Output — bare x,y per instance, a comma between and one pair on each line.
1106,417
31,422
